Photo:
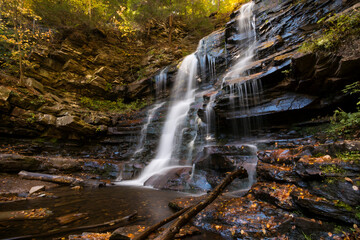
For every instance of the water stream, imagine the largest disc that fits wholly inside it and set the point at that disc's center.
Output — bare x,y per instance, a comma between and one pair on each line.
182,97
101,205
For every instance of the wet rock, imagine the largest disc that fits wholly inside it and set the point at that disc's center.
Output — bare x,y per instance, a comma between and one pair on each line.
276,194
174,179
324,208
309,226
333,149
336,189
244,218
271,172
279,156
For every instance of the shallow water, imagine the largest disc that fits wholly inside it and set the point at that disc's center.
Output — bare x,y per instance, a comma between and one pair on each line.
101,205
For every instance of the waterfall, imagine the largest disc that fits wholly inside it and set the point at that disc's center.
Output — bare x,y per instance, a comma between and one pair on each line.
243,93
207,60
210,118
247,39
182,97
160,83
150,116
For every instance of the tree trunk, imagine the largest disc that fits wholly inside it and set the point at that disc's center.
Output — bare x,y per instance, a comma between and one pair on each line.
60,179
18,39
153,228
170,27
90,10
171,231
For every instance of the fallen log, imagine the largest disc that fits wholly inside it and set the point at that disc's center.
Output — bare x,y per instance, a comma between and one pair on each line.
67,180
104,227
170,232
151,229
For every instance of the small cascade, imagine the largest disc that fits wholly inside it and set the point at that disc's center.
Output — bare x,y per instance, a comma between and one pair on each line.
249,162
207,61
244,95
182,97
210,118
247,39
160,82
150,115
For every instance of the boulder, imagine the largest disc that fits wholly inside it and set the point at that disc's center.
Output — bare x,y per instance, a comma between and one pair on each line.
277,173
4,96
32,83
173,179
75,124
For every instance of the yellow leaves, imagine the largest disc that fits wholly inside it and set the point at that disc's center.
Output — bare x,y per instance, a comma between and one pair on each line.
130,235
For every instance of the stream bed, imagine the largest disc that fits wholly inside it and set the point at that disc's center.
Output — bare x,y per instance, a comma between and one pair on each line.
101,205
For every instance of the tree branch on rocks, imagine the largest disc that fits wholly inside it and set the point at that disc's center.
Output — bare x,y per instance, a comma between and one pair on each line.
186,214
60,179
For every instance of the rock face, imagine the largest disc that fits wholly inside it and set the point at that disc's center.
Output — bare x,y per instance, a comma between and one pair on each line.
291,83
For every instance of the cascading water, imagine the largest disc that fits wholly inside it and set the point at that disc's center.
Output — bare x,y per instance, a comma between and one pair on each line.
247,39
210,118
150,115
160,82
177,141
183,96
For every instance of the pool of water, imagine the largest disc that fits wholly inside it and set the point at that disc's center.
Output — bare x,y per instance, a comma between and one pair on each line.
101,205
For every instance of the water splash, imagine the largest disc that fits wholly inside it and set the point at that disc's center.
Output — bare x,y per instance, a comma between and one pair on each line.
183,96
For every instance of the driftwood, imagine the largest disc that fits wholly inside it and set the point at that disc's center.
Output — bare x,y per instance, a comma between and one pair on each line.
151,229
61,179
104,227
171,231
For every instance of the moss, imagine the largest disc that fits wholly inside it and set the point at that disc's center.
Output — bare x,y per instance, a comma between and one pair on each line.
332,168
112,106
353,156
336,30
343,205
